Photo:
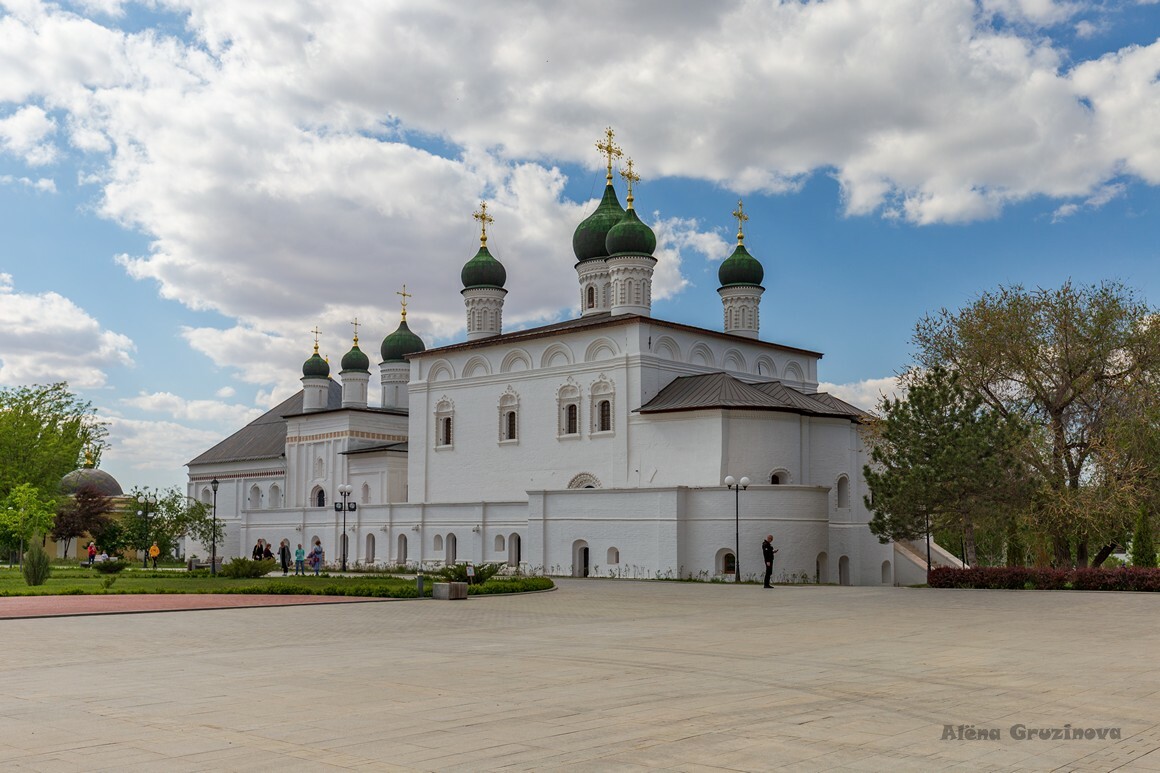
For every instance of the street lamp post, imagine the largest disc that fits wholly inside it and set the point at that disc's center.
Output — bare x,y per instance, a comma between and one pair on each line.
345,490
213,484
145,500
737,486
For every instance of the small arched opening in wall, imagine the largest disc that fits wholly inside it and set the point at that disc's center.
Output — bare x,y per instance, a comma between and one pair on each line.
580,558
275,496
369,554
779,477
254,501
887,577
725,562
401,549
206,496
437,545
843,487
498,543
844,570
822,568
584,480
613,556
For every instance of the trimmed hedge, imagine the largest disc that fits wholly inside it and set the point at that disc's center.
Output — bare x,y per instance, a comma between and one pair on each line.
1033,578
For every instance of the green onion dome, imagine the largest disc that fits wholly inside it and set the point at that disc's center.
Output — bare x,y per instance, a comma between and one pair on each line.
630,236
315,367
400,343
740,269
483,271
588,242
355,359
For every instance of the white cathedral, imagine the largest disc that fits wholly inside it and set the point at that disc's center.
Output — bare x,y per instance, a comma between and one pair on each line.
598,446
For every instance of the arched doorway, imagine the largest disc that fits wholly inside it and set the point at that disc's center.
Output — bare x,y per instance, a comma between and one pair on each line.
822,568
887,579
514,556
844,570
449,553
369,555
580,561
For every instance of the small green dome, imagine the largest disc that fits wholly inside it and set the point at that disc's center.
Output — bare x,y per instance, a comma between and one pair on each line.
483,271
401,343
588,240
740,269
315,367
356,360
630,236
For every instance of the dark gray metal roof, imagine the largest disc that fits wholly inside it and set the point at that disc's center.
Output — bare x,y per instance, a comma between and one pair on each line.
265,436
722,391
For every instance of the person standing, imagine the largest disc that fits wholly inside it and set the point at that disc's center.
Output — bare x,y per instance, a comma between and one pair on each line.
154,552
256,553
316,556
768,552
284,556
299,561
92,551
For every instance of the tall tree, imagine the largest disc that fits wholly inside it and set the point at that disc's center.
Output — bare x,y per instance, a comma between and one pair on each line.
43,433
940,453
1059,360
172,517
86,512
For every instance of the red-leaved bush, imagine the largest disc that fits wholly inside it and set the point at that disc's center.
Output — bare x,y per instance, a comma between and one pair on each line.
1030,578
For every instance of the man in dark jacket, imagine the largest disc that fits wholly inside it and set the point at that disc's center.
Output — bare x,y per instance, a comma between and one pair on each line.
767,551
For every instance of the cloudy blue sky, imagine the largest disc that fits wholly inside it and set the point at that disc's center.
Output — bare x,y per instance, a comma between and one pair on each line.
188,187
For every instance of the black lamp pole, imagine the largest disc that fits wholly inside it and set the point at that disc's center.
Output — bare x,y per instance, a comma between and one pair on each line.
737,486
213,484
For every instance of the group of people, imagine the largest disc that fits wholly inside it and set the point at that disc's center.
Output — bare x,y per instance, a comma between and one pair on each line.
94,556
316,556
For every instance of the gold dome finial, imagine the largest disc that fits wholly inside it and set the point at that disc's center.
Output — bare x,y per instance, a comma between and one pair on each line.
739,213
609,150
405,295
483,219
89,463
355,323
631,177
317,333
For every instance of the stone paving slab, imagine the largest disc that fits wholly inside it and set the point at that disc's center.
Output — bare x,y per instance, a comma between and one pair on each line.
601,675
12,607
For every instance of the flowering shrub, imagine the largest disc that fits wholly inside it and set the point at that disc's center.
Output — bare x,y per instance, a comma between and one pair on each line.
1020,578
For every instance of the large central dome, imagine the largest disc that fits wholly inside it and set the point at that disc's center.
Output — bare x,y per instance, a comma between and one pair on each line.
589,240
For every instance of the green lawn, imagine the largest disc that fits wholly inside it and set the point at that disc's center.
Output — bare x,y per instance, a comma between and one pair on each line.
86,581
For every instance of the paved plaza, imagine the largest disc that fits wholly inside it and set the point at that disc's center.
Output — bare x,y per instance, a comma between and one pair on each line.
598,675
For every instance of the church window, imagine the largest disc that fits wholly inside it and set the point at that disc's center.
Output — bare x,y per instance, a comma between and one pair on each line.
318,497
438,544
366,493
602,395
843,491
319,468
444,423
591,297
499,543
275,496
568,400
255,499
508,417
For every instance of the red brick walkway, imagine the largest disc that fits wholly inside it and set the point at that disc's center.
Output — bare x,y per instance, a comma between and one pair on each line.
117,604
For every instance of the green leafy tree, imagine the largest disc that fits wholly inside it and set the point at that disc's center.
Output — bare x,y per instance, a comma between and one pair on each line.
86,512
172,517
1059,360
1143,541
43,433
940,453
25,513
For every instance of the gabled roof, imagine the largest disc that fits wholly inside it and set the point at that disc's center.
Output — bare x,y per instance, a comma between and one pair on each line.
722,391
265,436
601,319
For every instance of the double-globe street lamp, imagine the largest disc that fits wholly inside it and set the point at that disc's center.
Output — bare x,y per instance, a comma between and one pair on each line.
344,491
737,486
145,500
213,484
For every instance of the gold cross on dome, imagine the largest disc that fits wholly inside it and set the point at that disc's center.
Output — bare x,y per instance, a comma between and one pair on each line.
739,213
609,150
355,323
405,295
631,177
317,333
483,219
